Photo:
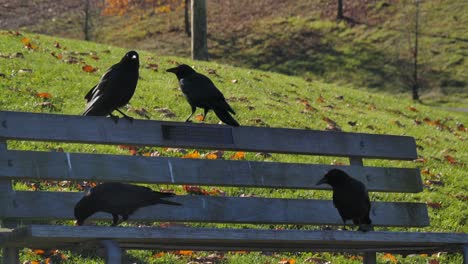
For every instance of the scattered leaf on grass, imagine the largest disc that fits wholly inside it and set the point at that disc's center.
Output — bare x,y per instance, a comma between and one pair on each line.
89,69
433,261
320,99
192,155
158,255
165,112
412,108
287,261
39,251
389,257
57,45
44,95
199,117
215,154
152,66
435,205
24,71
183,252
141,112
240,155
234,81
316,260
420,160
331,125
212,71
352,123
450,159
57,56
461,127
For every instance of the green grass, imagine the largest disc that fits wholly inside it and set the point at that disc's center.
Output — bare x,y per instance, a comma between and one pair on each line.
371,51
261,99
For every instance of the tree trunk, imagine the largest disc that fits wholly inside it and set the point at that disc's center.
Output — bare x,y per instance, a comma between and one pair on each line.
86,26
187,18
339,14
415,88
199,43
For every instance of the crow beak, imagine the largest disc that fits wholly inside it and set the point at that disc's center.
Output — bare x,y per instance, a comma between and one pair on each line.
173,70
322,181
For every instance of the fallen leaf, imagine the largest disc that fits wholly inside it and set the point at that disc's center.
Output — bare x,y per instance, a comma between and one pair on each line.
461,127
352,123
57,45
435,205
44,95
199,117
234,81
183,252
389,257
320,99
371,107
192,155
331,125
433,261
194,190
412,108
212,71
240,252
141,112
450,159
152,66
57,56
421,160
158,255
89,69
240,155
287,261
165,112
38,251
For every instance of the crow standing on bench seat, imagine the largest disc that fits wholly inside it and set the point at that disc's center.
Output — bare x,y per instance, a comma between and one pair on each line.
115,88
350,197
200,91
117,199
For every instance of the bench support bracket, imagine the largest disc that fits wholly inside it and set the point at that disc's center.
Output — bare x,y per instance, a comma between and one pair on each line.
370,258
113,251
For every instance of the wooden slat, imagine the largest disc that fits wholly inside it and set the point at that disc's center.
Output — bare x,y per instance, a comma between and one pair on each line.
95,167
48,127
59,205
238,239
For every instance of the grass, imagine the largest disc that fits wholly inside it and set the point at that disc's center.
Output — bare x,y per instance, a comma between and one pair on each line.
261,99
371,50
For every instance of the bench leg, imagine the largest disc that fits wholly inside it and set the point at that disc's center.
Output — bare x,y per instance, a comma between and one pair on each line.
465,254
370,258
10,255
113,252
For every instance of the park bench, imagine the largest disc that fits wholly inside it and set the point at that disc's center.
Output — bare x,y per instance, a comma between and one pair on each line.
20,209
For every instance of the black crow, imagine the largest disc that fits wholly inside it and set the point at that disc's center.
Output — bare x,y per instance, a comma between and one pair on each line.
115,88
200,91
117,199
350,197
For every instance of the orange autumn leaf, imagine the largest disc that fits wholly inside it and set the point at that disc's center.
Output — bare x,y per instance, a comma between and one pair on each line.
44,95
421,160
39,252
184,252
192,155
199,118
320,99
425,172
412,108
287,261
25,41
195,190
89,68
389,257
158,255
35,262
450,159
211,156
240,155
47,261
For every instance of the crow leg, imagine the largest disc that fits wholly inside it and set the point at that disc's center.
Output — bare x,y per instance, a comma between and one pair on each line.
344,224
115,219
129,118
205,113
124,217
193,111
114,118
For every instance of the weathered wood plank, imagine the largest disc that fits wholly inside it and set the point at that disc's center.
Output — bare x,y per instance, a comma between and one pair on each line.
96,167
237,239
59,205
65,128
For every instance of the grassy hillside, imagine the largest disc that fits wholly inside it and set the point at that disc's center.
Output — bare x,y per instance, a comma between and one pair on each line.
47,76
370,50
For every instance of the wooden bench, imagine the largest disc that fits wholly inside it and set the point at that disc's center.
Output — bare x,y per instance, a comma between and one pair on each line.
23,207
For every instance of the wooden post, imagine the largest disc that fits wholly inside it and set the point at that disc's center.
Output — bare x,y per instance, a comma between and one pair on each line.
10,255
199,44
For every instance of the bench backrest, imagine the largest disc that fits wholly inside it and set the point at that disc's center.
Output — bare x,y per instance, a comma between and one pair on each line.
35,165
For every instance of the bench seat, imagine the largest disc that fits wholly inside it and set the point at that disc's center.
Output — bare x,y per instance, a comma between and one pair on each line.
57,236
